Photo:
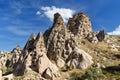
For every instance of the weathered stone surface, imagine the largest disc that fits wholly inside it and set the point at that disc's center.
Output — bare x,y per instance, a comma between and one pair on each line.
51,73
101,35
29,45
58,20
61,40
70,44
3,60
1,75
33,57
92,37
24,61
60,63
16,54
56,40
30,55
8,77
79,59
113,47
80,25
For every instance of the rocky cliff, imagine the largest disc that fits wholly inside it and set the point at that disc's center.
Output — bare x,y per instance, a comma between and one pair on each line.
62,48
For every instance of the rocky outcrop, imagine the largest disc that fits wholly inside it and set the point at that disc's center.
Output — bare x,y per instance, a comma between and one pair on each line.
61,49
60,63
24,60
80,25
56,38
92,37
3,60
61,40
16,54
101,35
51,73
79,59
33,57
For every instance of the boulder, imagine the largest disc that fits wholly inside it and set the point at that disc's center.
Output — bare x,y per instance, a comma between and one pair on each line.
3,60
79,59
92,37
113,47
101,35
60,63
8,77
51,73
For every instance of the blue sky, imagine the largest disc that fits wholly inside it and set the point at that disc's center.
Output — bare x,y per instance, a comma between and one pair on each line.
20,18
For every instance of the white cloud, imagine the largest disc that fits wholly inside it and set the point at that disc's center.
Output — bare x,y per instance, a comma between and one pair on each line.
116,31
19,31
38,13
50,11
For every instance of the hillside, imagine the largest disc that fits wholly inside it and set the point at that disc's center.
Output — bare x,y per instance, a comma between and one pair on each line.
65,52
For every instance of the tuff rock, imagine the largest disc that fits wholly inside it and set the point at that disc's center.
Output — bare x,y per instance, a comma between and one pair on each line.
79,59
61,40
16,54
101,35
33,57
1,78
80,25
71,45
56,38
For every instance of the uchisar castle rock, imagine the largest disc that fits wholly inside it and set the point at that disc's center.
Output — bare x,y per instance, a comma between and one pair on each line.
64,52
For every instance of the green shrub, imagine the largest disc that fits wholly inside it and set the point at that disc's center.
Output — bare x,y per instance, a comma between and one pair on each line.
7,71
66,68
93,74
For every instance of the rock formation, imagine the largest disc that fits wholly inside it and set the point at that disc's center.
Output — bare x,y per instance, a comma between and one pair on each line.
80,25
61,48
101,35
0,75
92,37
56,38
3,60
79,59
61,40
33,57
16,54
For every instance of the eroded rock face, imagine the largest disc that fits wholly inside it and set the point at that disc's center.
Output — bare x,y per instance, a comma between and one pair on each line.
80,25
61,40
16,54
24,60
56,38
51,72
101,35
92,37
79,59
3,60
1,75
60,62
33,57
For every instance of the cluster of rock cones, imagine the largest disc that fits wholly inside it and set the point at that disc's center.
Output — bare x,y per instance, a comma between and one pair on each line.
57,47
